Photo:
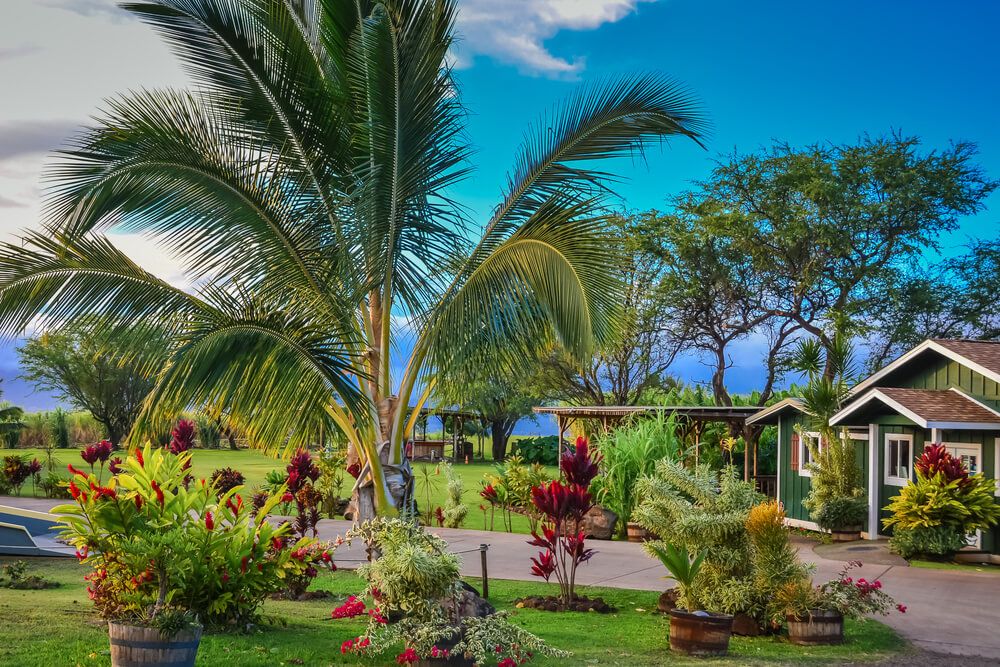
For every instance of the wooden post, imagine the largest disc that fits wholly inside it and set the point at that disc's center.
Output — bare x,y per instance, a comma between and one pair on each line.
486,579
746,460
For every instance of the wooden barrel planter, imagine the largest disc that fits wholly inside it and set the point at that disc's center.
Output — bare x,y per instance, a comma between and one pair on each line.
819,627
636,533
133,646
694,634
846,534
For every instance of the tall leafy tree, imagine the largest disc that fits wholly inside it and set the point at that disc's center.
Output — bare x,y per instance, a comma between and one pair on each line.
305,186
75,366
831,226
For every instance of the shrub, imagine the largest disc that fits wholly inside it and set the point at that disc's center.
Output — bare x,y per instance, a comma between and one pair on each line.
454,509
331,478
628,453
747,551
302,474
17,470
53,486
415,578
841,512
225,480
209,436
15,575
509,489
944,497
934,542
59,427
158,548
543,450
563,506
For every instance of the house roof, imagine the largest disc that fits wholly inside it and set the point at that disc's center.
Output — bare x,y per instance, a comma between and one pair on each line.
928,408
981,356
770,414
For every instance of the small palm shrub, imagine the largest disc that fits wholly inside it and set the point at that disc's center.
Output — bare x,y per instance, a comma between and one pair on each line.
628,453
932,515
455,510
684,568
509,490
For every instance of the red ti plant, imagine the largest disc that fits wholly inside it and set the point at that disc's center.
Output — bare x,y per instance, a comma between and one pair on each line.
937,459
97,453
302,473
563,504
182,440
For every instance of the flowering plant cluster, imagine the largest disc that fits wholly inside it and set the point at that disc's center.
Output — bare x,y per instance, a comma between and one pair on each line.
416,580
155,545
854,598
563,506
509,490
17,470
99,452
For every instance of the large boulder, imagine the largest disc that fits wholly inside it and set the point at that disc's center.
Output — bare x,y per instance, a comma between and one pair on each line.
599,523
467,604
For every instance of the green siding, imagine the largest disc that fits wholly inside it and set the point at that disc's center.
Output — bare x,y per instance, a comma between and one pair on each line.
794,487
942,373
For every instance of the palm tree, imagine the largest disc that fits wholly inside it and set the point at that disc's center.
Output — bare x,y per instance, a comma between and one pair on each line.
305,186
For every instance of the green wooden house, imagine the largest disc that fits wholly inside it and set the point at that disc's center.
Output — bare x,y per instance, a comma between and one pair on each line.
945,391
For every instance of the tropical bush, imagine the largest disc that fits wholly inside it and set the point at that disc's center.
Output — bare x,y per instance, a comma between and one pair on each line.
15,575
158,547
628,453
543,450
330,482
748,556
225,480
683,567
509,490
562,505
17,470
416,580
944,498
209,436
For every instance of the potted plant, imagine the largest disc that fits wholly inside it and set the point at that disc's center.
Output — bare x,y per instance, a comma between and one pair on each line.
815,614
693,630
417,599
168,556
843,516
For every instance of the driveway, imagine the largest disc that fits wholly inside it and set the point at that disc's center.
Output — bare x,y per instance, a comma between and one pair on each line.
951,612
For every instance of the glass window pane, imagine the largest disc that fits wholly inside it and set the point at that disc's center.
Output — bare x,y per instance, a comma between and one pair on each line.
893,470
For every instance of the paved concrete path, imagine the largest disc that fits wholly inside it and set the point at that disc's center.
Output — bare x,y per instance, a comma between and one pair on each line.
947,611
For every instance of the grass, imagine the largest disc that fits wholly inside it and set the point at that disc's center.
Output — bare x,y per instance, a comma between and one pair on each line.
255,467
959,567
58,627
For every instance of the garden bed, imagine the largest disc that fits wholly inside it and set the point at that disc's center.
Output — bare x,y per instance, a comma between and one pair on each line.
57,626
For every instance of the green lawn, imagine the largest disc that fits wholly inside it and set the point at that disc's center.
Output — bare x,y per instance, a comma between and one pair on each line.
255,466
960,567
58,627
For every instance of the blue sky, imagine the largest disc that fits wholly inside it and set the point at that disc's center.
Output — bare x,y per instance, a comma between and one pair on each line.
793,71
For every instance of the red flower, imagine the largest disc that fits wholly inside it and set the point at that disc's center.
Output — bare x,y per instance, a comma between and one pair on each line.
507,662
439,652
159,492
354,470
901,608
74,471
209,521
243,564
287,497
347,646
225,577
34,467
74,490
138,502
490,494
351,608
277,543
115,465
327,558
90,454
182,437
407,657
377,616
82,554
138,457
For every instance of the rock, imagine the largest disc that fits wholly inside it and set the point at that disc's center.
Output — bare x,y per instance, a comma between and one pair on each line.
745,626
599,523
467,604
667,600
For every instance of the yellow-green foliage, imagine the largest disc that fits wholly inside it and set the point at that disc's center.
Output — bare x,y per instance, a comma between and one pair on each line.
964,504
775,563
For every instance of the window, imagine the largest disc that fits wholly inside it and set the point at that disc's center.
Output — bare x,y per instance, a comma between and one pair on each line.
805,453
898,458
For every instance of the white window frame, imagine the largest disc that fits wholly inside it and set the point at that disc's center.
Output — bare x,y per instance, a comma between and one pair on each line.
967,445
804,451
893,480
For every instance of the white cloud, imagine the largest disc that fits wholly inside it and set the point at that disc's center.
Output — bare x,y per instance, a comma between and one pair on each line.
514,31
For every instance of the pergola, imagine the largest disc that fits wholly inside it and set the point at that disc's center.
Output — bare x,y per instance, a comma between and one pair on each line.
692,417
424,448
